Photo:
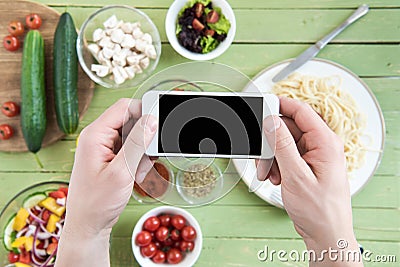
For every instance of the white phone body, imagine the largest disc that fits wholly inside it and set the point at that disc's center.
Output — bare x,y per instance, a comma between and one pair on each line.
151,105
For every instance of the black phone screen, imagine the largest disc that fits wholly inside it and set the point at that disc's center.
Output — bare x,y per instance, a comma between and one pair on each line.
203,124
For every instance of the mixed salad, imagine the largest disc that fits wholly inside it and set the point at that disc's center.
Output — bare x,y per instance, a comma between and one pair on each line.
31,235
201,27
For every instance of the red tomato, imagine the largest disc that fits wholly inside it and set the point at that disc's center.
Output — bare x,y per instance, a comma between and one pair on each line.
188,233
151,224
159,257
165,220
175,235
11,43
33,21
10,109
64,190
12,257
6,132
168,242
178,221
24,257
46,215
51,248
162,233
143,239
57,194
15,28
185,246
149,251
174,256
157,243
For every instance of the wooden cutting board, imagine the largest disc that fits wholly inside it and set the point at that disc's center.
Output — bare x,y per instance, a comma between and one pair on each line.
10,71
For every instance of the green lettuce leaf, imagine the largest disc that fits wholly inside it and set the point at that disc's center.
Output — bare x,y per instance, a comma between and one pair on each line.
222,25
208,44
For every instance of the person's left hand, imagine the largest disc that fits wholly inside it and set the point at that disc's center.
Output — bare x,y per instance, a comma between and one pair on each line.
103,175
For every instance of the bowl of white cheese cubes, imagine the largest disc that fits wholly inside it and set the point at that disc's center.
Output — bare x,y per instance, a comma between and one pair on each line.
118,46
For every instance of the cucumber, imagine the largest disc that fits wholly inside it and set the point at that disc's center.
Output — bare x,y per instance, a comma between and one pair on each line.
66,75
33,200
9,233
33,95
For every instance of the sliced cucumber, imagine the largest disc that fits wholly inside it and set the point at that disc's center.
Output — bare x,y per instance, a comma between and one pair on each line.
8,233
33,200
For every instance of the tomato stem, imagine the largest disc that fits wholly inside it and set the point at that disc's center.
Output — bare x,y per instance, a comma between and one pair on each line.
38,160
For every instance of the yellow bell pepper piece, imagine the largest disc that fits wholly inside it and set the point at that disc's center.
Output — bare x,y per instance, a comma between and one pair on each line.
20,219
50,204
20,264
51,224
20,241
29,243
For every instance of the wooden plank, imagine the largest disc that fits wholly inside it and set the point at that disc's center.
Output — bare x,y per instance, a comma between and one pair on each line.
259,218
295,26
243,252
380,192
254,4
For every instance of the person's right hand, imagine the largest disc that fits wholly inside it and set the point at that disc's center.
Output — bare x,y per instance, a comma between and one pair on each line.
310,165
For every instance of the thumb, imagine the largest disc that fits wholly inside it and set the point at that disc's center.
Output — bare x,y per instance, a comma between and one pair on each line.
280,138
135,145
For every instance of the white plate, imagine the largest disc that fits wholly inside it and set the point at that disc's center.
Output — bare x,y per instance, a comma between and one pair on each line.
367,103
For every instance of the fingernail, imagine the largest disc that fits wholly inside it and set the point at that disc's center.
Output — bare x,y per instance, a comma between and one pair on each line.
150,123
271,124
140,177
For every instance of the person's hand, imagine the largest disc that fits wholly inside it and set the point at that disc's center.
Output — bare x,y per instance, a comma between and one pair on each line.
310,165
102,182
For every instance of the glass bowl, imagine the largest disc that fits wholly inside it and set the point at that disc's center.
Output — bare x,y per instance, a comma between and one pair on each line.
199,190
158,179
15,204
95,21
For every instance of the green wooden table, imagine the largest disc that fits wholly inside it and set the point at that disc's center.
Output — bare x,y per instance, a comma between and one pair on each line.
236,227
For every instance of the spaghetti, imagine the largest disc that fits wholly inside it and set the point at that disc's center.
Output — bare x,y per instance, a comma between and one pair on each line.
335,106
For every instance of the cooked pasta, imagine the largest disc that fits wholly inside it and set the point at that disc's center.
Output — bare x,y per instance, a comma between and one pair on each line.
335,106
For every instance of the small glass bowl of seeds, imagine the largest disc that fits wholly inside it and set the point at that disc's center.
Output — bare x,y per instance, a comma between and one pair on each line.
199,182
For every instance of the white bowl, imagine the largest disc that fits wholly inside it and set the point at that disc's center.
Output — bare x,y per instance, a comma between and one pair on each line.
190,258
170,28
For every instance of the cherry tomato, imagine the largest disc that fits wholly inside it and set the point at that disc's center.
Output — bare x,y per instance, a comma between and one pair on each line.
177,244
6,132
175,235
15,28
151,224
178,221
149,251
185,246
143,239
46,215
165,220
24,257
33,21
157,243
10,109
57,194
188,233
162,233
174,256
64,189
159,257
168,242
12,257
11,43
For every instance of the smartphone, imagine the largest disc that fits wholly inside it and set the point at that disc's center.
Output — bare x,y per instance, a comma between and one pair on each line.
205,124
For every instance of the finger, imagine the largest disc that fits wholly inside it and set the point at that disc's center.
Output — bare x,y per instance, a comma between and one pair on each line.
143,169
135,145
294,130
286,153
263,168
303,115
118,114
274,174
